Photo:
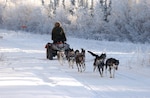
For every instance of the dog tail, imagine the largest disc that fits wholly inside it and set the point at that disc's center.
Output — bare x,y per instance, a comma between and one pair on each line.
93,54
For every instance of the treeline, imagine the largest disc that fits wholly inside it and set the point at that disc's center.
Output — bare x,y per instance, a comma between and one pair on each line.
112,20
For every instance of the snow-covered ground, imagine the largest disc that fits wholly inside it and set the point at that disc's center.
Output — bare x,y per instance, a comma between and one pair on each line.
26,73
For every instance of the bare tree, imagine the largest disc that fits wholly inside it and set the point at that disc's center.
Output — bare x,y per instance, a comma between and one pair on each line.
63,3
73,2
42,2
106,8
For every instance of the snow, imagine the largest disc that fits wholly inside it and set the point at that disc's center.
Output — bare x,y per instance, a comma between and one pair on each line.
26,73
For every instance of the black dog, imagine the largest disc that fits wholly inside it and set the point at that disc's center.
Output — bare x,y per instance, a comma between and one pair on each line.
99,62
112,63
80,60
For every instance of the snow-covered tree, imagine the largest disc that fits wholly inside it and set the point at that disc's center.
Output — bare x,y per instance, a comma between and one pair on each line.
128,20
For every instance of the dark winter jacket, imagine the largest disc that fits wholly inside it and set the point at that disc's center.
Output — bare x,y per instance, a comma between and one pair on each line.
58,34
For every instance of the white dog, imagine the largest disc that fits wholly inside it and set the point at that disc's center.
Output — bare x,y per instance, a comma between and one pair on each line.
61,56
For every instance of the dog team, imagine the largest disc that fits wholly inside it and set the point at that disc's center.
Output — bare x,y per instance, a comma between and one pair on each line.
100,62
59,39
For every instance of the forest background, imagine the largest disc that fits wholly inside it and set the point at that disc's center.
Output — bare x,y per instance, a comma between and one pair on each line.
110,20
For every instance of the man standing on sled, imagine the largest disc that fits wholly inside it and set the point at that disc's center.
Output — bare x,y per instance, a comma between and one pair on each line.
58,35
59,38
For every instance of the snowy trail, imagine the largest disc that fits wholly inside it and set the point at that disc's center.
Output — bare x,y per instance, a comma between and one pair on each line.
133,85
39,78
26,73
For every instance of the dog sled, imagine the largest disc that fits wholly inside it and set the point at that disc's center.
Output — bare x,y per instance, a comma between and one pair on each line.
53,48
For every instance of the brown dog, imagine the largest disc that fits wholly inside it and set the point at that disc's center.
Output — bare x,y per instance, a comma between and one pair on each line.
71,57
80,60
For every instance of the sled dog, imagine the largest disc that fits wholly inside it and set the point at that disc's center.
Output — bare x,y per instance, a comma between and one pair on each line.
112,63
80,60
71,57
98,62
61,56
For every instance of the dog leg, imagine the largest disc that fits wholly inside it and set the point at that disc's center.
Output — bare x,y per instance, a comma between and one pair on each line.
71,64
61,60
110,71
78,67
58,57
99,69
114,73
102,71
94,68
84,66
